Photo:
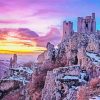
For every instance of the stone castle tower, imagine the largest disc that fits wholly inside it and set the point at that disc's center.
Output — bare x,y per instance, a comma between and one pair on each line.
87,24
67,29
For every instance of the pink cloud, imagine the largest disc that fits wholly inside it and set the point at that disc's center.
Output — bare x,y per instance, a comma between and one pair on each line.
13,21
53,36
24,37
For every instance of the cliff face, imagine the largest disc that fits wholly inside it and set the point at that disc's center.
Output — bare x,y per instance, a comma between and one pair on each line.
48,93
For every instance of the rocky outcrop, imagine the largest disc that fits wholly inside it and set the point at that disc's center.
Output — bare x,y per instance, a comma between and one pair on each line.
48,93
93,44
13,61
61,83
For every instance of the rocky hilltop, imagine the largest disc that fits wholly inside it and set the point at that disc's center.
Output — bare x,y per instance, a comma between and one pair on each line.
69,71
77,74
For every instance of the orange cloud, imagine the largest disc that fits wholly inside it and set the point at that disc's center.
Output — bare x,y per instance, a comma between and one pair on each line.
26,41
16,42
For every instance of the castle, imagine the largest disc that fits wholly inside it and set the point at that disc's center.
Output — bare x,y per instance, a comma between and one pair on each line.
77,56
85,39
76,48
76,44
84,25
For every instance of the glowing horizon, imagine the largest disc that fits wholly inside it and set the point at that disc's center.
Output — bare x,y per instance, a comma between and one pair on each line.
13,43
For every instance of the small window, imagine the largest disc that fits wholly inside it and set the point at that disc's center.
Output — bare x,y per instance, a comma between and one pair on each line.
87,25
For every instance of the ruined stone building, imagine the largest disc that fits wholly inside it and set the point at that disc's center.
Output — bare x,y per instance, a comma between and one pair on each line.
87,24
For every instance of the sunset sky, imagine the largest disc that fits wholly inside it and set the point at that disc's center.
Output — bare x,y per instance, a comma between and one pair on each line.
44,17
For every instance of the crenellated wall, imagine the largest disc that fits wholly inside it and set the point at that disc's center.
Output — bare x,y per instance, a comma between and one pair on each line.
87,24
